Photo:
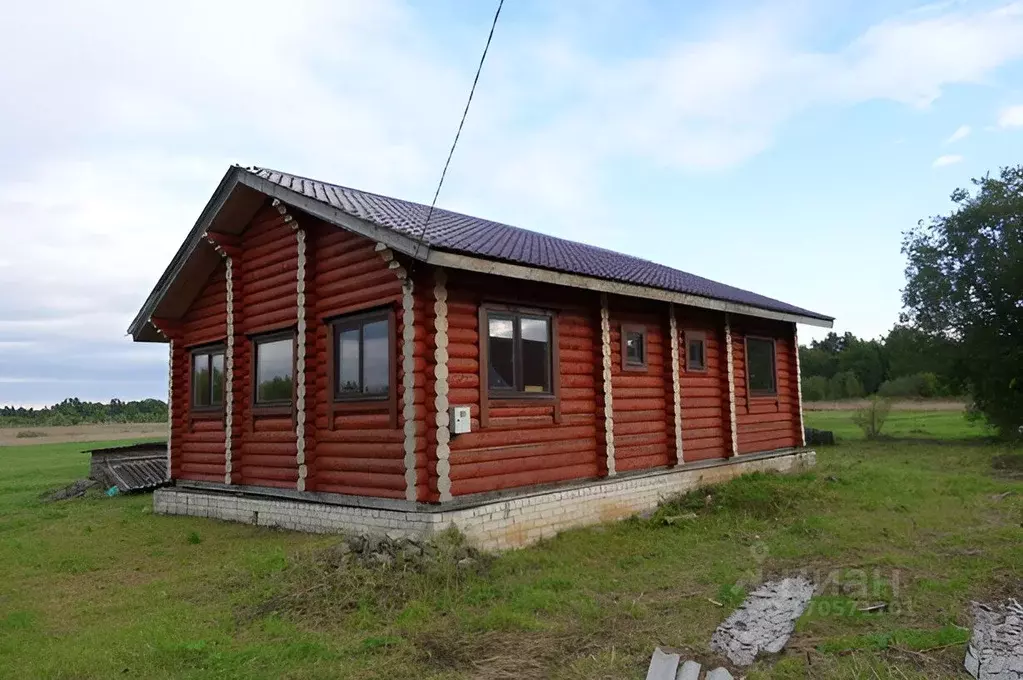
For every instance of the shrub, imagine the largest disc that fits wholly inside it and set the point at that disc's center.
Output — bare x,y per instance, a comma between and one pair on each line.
871,417
815,388
918,385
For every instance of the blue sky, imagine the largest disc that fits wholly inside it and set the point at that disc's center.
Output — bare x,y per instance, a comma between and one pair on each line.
781,146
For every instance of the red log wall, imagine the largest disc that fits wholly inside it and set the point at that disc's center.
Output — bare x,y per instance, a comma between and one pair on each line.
643,435
198,438
524,442
358,448
267,270
705,419
766,423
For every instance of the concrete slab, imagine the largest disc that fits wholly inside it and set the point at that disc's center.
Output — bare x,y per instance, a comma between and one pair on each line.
663,665
690,670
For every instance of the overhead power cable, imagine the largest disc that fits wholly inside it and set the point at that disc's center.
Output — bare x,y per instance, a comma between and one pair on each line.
444,172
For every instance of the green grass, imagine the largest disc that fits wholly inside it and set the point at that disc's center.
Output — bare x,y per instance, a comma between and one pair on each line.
945,425
100,587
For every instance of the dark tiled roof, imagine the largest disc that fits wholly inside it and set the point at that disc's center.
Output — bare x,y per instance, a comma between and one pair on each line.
459,233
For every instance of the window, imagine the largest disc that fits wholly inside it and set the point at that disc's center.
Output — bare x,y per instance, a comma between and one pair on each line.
760,366
208,378
633,347
518,353
275,367
696,351
362,356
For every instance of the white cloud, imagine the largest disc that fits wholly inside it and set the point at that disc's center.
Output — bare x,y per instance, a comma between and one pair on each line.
948,159
1011,116
962,132
129,113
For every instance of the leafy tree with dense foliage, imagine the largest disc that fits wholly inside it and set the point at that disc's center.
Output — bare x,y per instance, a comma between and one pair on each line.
906,363
77,412
965,285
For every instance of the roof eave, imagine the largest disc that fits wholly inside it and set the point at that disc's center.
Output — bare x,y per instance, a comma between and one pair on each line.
239,176
213,206
458,261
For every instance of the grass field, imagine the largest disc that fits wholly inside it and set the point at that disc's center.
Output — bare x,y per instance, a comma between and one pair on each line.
903,424
100,587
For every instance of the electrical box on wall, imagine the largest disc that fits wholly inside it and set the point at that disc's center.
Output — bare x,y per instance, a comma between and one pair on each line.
460,421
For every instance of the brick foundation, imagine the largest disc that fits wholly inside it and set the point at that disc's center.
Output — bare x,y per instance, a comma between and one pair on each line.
489,522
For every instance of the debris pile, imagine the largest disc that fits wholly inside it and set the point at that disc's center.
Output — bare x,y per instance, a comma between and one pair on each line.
394,550
764,621
666,665
73,490
995,651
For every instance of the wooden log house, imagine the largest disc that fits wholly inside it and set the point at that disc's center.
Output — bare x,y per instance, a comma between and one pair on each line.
334,366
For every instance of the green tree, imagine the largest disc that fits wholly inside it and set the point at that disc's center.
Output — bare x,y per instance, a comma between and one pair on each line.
965,284
863,358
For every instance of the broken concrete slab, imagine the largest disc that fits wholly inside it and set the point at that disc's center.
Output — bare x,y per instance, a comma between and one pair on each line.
663,665
995,651
764,621
690,670
719,674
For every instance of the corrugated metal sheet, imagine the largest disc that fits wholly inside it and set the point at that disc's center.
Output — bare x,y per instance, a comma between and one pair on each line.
137,467
483,238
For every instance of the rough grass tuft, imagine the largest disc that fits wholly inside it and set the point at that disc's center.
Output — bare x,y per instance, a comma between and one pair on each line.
29,434
759,495
318,585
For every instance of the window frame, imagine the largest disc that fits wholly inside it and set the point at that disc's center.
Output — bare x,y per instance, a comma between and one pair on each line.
701,336
210,351
489,394
359,319
627,365
774,366
255,341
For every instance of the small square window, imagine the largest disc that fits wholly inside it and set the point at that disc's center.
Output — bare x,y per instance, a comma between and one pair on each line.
634,347
696,351
208,378
275,367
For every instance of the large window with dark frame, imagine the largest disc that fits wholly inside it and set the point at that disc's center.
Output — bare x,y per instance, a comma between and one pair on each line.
362,356
208,378
275,369
519,353
760,367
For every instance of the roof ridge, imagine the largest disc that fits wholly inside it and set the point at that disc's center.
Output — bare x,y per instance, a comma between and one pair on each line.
255,169
481,237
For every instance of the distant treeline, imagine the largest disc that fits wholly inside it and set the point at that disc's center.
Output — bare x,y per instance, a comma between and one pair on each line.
78,412
905,363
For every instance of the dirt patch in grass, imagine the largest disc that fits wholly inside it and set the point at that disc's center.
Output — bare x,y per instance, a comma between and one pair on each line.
503,655
82,433
1008,465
